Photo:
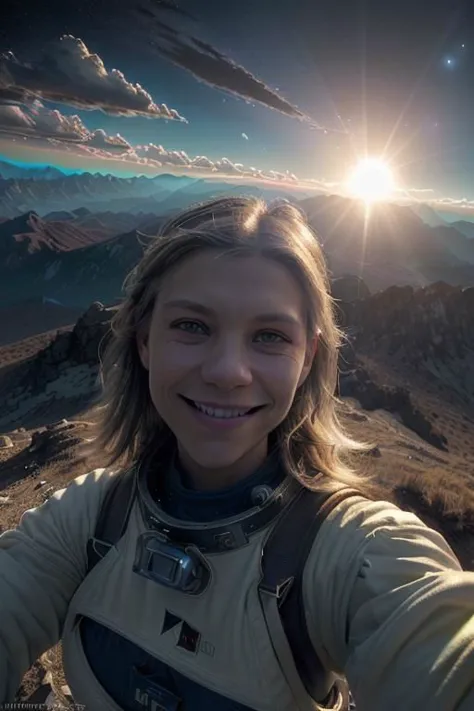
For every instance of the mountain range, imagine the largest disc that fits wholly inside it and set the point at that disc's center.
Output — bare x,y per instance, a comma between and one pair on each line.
81,235
11,170
101,193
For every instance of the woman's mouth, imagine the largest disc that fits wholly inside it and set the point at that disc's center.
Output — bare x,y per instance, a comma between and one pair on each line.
220,415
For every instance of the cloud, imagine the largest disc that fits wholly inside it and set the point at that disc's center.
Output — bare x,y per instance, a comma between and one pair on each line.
415,191
69,73
428,196
52,121
41,128
14,120
207,64
36,121
153,155
463,203
68,136
113,144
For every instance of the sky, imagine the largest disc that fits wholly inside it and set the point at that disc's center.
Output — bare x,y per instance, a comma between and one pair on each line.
295,92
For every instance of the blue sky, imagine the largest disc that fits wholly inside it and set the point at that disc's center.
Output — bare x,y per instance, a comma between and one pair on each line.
396,77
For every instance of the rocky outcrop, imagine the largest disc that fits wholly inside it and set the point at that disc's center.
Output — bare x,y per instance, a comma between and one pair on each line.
5,442
54,442
57,442
435,320
376,396
67,370
430,330
76,347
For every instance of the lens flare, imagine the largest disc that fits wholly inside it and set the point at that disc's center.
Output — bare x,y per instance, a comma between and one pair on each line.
371,180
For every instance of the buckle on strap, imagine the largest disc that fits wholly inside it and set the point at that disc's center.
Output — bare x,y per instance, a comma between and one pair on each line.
98,547
278,591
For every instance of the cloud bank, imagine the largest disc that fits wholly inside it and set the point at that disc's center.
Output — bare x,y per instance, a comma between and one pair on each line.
69,73
40,128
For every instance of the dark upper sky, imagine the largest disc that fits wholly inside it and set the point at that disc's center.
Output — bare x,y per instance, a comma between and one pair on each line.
397,76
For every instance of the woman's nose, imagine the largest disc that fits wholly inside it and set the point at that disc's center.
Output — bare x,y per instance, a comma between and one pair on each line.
226,366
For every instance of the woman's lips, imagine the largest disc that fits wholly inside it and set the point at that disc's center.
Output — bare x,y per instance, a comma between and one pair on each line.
218,416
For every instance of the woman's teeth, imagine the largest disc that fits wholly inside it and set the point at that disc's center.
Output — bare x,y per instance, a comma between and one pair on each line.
220,412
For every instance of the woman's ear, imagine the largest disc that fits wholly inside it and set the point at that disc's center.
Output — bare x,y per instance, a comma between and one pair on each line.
142,340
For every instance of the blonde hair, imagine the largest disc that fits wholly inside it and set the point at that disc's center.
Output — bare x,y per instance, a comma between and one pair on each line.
312,438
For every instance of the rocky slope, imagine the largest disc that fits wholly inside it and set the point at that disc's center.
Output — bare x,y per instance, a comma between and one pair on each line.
428,331
61,377
28,234
74,277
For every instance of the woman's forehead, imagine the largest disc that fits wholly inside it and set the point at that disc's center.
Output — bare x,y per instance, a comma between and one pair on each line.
254,284
208,272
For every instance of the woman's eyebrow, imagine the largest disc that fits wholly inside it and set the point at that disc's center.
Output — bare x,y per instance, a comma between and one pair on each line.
189,306
274,317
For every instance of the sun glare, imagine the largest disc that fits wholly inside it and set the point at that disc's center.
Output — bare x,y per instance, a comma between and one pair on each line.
371,180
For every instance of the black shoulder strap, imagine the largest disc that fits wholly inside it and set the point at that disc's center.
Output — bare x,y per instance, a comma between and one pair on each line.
283,561
113,516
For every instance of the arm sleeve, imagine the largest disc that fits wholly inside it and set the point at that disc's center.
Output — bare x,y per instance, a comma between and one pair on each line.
42,562
398,615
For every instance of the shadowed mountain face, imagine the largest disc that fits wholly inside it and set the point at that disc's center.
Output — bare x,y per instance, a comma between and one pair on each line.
422,340
465,228
28,234
389,244
64,271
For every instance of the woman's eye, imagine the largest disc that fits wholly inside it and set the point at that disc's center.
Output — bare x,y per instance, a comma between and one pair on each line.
193,327
269,337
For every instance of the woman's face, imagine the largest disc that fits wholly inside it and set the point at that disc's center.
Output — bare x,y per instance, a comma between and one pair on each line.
226,352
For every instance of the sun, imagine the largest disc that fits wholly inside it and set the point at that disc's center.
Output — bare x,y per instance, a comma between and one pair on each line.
371,180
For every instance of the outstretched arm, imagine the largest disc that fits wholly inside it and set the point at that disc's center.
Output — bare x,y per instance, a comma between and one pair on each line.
389,605
42,562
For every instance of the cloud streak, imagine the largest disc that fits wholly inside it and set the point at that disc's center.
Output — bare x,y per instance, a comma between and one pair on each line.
69,73
173,7
209,65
